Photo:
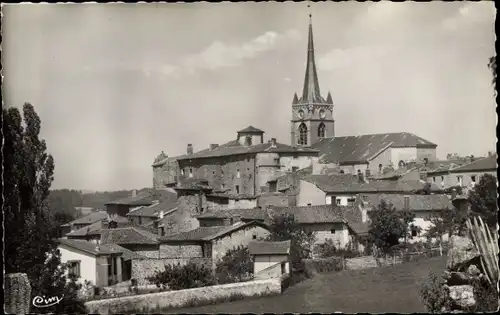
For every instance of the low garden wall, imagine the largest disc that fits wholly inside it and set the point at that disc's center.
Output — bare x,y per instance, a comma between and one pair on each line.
147,303
147,267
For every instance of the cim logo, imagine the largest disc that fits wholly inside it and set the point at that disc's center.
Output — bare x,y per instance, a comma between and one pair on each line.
39,301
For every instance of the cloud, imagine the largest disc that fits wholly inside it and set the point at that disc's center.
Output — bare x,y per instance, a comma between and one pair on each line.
351,57
221,55
470,14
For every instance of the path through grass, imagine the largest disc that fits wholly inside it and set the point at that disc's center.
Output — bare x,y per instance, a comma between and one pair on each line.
377,290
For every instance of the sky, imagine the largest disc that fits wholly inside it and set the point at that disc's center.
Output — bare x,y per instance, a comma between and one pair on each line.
115,84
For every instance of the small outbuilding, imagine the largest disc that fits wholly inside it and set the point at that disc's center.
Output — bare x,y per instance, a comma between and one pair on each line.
271,259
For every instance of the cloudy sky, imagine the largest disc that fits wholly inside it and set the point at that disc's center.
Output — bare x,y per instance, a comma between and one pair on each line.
115,84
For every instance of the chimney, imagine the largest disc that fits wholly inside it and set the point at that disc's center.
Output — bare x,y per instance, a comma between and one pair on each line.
189,150
273,142
160,216
134,193
213,146
407,203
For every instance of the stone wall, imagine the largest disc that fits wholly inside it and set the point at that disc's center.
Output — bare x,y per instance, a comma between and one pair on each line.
181,250
462,269
143,268
147,303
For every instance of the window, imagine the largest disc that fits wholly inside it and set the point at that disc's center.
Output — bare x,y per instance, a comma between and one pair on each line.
337,201
221,186
332,231
341,171
380,168
473,178
359,171
401,164
426,161
302,134
459,180
442,178
248,140
213,173
295,168
350,201
140,220
74,268
273,186
414,231
238,175
254,237
308,204
277,161
190,172
162,231
237,189
321,131
434,179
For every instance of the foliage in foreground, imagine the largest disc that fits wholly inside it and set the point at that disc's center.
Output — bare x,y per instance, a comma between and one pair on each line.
29,224
329,249
235,266
483,200
433,294
179,277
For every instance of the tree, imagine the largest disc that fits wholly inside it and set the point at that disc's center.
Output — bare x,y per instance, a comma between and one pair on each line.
29,226
492,64
235,266
285,227
483,200
389,225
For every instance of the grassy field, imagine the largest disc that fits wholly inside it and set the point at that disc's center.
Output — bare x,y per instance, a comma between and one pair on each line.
377,290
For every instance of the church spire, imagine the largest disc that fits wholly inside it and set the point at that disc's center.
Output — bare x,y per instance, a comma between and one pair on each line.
311,93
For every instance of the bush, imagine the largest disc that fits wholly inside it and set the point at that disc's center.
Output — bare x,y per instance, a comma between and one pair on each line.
486,296
328,249
178,277
433,294
235,266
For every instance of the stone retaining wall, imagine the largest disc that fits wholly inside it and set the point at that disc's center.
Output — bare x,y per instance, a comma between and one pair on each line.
146,303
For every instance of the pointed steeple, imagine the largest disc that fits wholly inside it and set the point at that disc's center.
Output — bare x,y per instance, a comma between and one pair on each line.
329,99
311,93
295,99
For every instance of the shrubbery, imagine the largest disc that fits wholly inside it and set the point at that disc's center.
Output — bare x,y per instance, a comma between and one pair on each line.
328,249
179,277
235,266
331,264
433,294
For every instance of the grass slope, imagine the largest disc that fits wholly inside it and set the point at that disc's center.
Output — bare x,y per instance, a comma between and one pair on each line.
377,290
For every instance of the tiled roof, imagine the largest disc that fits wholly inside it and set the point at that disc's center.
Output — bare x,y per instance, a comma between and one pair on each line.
90,247
231,196
203,234
251,129
354,219
269,248
346,183
153,210
92,229
91,218
311,214
358,149
442,165
235,148
397,173
245,214
128,235
484,164
141,199
417,202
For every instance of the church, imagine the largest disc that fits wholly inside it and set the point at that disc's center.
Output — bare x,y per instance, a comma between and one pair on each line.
244,166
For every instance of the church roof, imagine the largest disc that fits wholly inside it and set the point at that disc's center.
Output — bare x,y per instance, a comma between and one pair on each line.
251,129
311,92
363,148
235,148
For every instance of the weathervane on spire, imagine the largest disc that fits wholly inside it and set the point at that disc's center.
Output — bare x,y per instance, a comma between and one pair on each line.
309,9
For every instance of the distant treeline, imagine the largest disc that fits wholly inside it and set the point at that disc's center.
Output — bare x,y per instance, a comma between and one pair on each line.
63,202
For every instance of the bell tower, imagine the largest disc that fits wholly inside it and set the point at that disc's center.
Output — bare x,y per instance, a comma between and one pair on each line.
312,115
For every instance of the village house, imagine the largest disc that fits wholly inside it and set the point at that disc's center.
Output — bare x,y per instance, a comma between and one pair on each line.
211,242
102,265
466,176
83,222
422,206
327,222
92,232
343,189
270,259
241,166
